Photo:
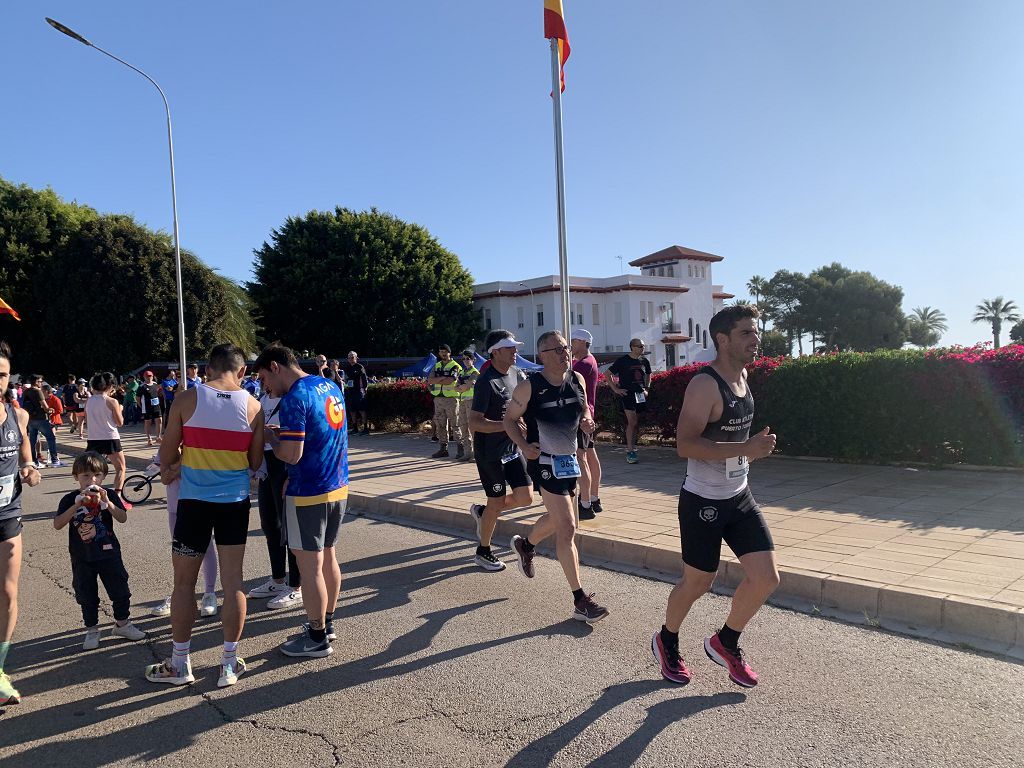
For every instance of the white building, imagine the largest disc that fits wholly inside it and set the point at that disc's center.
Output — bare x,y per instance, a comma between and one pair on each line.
668,305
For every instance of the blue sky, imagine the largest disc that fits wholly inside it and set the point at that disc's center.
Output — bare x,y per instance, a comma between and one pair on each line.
784,134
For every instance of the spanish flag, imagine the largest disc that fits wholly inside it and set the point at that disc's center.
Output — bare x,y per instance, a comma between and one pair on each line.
554,26
7,309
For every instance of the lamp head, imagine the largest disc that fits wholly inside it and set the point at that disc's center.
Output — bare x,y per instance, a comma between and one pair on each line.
67,31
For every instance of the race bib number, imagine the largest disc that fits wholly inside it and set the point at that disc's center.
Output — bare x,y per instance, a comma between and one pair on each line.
737,467
506,458
154,401
564,467
6,489
641,397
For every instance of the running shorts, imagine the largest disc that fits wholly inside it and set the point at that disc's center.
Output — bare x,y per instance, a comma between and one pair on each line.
199,521
705,523
103,447
497,478
10,528
543,477
313,527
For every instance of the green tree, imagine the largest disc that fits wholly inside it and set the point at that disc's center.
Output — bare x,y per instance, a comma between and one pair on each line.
115,305
787,295
1017,332
33,224
853,310
996,312
758,288
925,326
342,279
775,343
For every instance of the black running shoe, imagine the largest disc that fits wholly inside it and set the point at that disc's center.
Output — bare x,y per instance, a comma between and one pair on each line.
587,513
589,611
595,504
525,559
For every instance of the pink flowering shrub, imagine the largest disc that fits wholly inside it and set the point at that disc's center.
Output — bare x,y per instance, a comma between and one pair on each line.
943,406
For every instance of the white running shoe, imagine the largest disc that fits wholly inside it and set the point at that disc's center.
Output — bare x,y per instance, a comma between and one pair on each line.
92,638
58,463
269,588
229,673
291,600
164,609
208,606
128,631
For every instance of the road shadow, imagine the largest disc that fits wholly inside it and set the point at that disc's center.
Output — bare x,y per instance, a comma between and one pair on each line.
659,716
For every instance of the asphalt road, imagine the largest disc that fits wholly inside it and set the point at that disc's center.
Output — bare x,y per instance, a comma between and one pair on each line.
440,664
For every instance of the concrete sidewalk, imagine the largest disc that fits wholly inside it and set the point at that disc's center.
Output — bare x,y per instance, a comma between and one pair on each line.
937,553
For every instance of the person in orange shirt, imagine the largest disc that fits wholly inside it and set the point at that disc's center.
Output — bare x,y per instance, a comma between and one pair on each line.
54,404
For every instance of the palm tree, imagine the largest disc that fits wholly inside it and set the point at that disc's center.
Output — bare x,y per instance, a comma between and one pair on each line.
758,287
996,311
926,326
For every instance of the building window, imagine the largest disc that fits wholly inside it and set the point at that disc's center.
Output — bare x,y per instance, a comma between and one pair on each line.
540,315
689,331
670,356
618,348
670,271
661,271
487,319
595,313
689,269
520,316
646,311
577,314
696,337
617,307
705,339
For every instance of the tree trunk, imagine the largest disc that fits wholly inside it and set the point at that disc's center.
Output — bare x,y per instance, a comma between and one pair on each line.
800,342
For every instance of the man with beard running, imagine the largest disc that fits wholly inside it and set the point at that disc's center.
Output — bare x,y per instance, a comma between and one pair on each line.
543,419
498,461
715,503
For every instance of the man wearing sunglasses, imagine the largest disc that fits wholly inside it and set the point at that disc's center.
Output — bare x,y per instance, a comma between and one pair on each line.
542,420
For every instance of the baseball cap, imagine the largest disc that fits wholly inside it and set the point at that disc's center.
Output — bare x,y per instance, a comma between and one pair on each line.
81,381
582,334
508,341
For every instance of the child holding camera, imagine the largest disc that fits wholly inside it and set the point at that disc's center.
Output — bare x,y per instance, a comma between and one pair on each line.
94,548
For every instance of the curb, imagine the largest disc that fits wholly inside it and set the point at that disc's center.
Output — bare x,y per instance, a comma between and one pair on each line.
972,624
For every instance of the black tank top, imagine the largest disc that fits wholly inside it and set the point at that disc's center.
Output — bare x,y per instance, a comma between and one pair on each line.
553,413
723,479
10,477
737,413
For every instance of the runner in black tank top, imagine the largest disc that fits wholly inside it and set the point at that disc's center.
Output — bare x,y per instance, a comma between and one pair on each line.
715,504
16,471
553,405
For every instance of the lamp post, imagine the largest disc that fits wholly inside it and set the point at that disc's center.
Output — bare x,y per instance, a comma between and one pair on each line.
174,195
533,320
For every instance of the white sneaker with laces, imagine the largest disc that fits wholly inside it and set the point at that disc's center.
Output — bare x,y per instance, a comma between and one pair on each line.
293,599
164,609
208,606
58,463
128,631
92,638
269,588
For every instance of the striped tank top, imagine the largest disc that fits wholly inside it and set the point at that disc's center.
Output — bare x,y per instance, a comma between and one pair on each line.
215,447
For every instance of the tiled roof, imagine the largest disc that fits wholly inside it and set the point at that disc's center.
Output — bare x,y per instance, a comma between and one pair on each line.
674,253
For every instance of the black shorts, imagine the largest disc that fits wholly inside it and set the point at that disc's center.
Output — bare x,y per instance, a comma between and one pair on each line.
198,521
10,528
544,479
151,415
584,442
705,523
497,478
103,447
629,403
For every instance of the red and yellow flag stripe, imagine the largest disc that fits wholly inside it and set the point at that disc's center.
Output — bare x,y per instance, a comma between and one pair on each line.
554,27
7,309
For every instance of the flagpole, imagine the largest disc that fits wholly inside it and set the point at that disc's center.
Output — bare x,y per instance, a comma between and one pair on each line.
563,259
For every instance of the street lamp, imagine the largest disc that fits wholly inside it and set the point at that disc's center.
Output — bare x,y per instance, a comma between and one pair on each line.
174,195
533,320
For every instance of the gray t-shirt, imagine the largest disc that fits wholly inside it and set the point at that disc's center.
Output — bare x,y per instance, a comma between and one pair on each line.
491,395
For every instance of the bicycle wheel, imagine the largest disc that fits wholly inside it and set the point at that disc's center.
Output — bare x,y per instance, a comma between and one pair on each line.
137,489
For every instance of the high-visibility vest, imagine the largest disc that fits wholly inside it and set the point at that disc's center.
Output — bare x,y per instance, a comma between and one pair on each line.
451,368
468,394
